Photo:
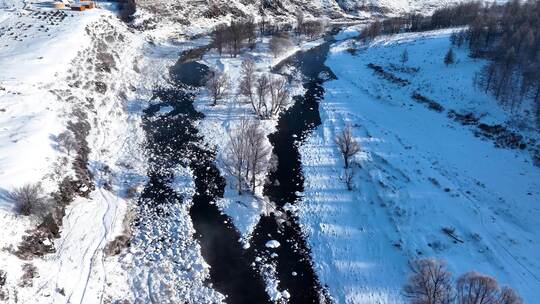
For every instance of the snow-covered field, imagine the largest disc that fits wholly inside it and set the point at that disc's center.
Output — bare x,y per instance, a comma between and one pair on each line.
419,172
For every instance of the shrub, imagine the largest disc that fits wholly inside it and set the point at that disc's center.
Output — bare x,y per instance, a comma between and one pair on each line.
49,226
3,293
115,246
29,273
66,142
3,278
449,57
35,244
29,200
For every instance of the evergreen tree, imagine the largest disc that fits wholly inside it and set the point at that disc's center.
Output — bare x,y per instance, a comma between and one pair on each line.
449,57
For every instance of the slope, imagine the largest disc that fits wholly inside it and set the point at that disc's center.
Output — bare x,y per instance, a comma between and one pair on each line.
420,172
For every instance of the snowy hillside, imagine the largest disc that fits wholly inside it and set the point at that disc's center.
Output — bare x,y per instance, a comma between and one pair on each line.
63,126
420,171
161,17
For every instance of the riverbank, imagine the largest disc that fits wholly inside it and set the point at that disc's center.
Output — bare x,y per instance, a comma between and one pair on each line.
419,171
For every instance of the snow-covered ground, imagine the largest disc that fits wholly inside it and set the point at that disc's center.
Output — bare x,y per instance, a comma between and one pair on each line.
33,54
50,70
419,172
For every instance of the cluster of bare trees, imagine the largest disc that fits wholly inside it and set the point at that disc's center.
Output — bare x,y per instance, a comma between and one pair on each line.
247,155
234,36
432,283
310,28
348,147
267,94
509,36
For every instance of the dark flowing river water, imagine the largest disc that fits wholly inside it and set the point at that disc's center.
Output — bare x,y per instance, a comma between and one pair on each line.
173,140
294,267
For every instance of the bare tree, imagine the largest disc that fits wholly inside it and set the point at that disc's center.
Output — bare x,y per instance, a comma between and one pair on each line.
236,153
262,24
279,95
217,84
272,95
347,144
348,178
262,86
258,153
372,31
248,79
247,155
477,288
430,283
219,37
249,32
404,57
509,296
299,22
279,43
237,36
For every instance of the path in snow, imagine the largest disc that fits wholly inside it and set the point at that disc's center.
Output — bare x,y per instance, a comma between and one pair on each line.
78,272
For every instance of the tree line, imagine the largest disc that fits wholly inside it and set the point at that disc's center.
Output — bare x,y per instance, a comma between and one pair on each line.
238,34
509,37
456,15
